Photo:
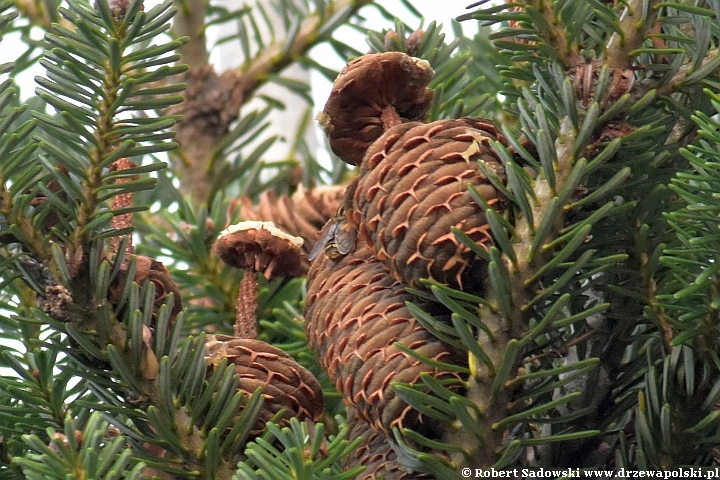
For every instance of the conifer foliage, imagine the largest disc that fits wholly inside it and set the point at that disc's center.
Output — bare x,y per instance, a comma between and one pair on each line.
519,264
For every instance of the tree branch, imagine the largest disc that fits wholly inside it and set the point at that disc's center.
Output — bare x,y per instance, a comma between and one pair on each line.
276,57
503,330
678,80
190,22
213,101
557,36
635,24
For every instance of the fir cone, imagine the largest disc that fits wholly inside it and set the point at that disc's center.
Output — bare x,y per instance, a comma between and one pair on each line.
372,94
286,384
355,312
301,215
318,205
280,211
375,453
413,188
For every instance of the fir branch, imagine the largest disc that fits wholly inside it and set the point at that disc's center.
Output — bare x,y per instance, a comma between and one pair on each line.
92,97
307,453
638,19
480,391
510,323
663,322
94,452
37,397
531,257
313,30
688,298
556,33
689,74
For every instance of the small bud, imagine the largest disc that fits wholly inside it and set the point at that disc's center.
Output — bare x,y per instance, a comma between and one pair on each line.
392,41
57,439
413,42
119,9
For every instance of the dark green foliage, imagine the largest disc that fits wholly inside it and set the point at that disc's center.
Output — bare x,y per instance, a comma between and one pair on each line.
593,345
95,76
90,347
600,298
298,452
73,451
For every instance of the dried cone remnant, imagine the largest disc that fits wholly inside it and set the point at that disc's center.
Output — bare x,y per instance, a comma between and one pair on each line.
286,385
282,213
355,313
585,78
372,94
148,269
413,188
301,215
257,247
154,272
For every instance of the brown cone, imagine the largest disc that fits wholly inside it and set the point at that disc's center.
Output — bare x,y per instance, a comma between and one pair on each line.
279,210
317,205
286,384
375,453
355,312
373,93
414,187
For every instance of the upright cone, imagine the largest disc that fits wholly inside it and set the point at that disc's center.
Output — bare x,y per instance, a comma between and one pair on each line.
414,186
